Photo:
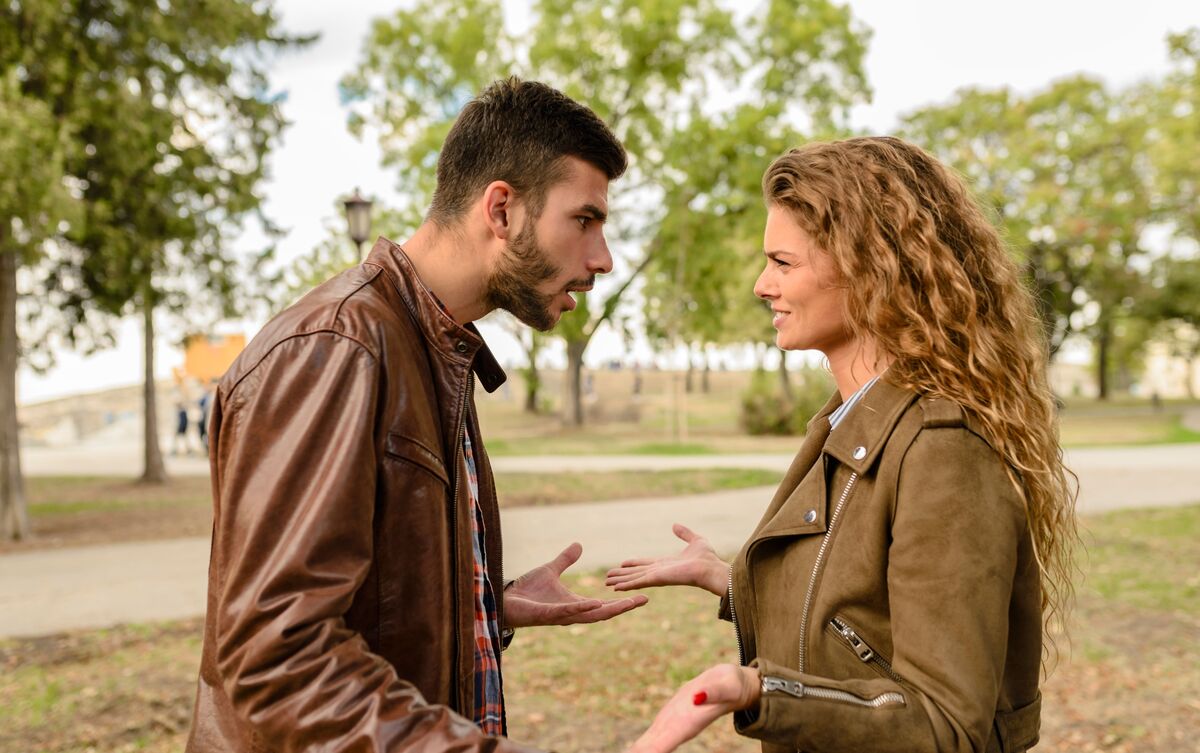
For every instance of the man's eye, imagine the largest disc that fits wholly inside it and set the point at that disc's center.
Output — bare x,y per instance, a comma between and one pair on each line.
583,221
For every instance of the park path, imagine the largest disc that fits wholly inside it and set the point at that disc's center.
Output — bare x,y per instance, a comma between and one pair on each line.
48,591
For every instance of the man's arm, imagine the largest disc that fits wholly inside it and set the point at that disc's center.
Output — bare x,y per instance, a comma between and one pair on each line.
293,540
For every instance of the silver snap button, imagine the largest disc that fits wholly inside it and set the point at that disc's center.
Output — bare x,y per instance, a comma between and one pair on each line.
810,516
860,453
460,346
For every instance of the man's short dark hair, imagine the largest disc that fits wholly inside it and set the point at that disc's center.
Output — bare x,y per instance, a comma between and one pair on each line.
518,132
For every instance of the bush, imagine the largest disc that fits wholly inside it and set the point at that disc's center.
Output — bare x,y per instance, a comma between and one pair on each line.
765,409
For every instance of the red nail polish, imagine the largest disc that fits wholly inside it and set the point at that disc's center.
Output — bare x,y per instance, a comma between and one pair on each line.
699,698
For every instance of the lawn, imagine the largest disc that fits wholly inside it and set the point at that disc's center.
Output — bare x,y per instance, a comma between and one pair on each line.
621,422
73,511
1127,683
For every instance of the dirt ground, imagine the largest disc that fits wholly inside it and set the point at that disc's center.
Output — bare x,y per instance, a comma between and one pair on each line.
1128,680
1130,686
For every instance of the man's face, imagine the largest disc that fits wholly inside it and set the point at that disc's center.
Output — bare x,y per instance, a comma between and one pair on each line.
559,252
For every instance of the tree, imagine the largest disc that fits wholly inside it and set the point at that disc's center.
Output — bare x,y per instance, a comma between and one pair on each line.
1065,172
1173,302
170,120
33,203
649,69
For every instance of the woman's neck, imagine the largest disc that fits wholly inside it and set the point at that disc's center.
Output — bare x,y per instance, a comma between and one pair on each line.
854,364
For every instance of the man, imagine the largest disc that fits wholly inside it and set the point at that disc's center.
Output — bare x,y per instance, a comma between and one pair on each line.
355,595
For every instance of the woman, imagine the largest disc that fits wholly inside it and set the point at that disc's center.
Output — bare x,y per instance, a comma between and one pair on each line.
893,596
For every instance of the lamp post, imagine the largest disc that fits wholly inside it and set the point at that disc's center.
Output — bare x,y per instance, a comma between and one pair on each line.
358,217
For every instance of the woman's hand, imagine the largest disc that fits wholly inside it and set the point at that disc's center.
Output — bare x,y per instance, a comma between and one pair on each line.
715,692
697,565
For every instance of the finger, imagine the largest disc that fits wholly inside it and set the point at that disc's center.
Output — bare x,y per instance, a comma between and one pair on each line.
610,609
566,558
640,561
633,582
565,614
685,533
627,572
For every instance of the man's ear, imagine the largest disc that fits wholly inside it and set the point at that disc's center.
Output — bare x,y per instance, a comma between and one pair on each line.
499,203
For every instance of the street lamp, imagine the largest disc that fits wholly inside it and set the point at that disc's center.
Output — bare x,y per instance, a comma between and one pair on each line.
358,217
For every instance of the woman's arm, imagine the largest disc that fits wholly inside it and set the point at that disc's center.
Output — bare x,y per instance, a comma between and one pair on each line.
697,565
698,703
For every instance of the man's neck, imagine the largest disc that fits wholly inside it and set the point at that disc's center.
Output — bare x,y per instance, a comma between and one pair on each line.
452,268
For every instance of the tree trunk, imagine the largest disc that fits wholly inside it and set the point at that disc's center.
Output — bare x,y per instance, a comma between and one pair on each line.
573,405
533,379
689,379
153,469
705,385
1191,377
14,517
1103,344
785,383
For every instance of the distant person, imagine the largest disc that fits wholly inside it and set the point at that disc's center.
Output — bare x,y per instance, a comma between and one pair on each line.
180,444
356,598
202,423
893,596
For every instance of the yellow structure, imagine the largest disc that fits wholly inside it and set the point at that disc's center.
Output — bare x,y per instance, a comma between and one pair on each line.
206,358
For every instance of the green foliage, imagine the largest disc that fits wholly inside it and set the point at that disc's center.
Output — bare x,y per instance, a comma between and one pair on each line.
702,99
170,120
767,410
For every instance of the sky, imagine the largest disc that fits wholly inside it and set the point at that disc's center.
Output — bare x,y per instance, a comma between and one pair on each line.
920,53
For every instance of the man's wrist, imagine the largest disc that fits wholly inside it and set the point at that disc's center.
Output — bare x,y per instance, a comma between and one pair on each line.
506,632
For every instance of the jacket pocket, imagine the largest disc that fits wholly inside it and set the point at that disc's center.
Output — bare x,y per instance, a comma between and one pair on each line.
852,640
412,451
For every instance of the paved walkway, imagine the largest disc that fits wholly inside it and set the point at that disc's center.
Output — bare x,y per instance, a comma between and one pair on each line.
49,591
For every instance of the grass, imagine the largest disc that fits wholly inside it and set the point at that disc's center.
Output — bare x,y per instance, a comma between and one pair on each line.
525,489
1126,684
619,422
71,511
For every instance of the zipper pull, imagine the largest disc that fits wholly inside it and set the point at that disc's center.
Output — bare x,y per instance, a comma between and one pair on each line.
860,647
778,684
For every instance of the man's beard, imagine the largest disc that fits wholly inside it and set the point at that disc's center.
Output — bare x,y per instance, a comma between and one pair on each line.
514,284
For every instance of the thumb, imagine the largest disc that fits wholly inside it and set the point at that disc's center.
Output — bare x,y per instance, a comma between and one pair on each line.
685,533
566,558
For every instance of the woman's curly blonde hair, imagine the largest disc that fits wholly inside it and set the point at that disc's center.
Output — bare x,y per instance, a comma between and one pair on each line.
928,278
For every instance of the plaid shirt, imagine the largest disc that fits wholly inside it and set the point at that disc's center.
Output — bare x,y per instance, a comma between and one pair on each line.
489,690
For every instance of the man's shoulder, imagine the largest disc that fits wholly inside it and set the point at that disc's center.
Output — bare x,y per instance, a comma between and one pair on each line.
351,310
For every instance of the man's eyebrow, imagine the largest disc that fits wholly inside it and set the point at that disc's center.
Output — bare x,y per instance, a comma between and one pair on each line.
596,212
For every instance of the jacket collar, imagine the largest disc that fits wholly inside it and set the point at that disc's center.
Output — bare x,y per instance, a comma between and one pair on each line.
860,437
453,341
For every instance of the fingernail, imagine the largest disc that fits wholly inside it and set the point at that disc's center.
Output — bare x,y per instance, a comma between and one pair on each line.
699,698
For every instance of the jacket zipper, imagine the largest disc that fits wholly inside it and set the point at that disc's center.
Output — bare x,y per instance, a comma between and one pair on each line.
733,618
459,461
865,653
812,581
798,689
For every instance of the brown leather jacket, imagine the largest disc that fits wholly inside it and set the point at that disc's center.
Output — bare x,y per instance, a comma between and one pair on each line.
340,601
890,595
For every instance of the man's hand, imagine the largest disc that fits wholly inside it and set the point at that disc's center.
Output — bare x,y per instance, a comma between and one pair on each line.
539,598
697,565
698,703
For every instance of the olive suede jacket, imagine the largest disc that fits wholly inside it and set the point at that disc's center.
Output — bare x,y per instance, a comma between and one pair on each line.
340,586
889,596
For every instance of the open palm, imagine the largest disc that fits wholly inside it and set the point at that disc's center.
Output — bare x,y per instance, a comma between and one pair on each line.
539,597
697,565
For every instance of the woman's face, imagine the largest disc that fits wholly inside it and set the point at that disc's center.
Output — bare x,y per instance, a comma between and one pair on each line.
799,284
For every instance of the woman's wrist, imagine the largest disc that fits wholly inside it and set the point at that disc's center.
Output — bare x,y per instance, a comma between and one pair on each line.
716,579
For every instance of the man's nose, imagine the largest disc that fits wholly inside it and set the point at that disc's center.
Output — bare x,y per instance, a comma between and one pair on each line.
601,261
